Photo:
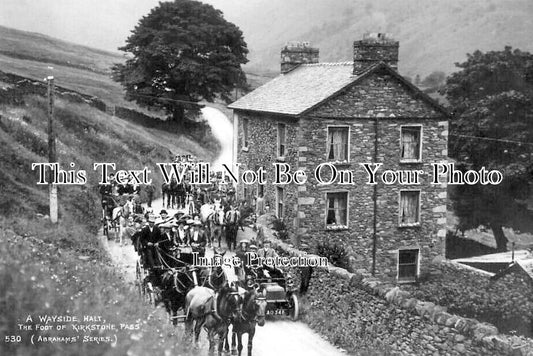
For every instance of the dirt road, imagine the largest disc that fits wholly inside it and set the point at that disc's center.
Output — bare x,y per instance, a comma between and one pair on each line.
276,338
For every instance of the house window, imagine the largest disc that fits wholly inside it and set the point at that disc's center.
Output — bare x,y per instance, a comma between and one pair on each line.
336,210
411,143
279,202
409,207
408,265
245,124
282,132
337,147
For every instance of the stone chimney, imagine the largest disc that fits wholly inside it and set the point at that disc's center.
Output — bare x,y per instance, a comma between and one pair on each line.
375,48
296,53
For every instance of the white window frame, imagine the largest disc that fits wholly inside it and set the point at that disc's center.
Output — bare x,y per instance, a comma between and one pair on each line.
337,227
418,257
327,142
400,224
245,133
411,160
280,200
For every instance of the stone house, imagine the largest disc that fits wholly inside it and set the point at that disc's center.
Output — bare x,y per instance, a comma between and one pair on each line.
341,115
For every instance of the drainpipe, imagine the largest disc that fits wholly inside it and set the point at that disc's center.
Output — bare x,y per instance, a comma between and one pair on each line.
375,199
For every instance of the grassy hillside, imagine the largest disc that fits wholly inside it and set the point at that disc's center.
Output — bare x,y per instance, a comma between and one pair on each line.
83,69
41,48
433,34
62,270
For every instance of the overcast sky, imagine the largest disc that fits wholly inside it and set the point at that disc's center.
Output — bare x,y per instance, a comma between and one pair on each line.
96,23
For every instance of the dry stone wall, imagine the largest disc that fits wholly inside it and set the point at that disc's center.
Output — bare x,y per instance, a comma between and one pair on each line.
362,313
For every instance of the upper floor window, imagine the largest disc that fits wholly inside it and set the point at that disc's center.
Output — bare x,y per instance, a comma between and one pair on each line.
337,210
411,143
282,133
245,137
337,145
409,207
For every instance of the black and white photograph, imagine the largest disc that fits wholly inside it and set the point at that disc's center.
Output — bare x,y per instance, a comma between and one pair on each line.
266,177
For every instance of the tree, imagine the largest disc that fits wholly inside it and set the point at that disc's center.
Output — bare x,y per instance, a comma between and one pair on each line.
182,51
434,80
492,101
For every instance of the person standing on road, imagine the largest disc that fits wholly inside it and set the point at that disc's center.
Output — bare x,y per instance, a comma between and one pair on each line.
150,235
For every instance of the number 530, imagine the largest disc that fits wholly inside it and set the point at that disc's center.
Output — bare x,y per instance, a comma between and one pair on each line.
12,338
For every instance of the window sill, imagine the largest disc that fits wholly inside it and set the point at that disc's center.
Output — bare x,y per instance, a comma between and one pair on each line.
417,224
404,160
337,228
245,149
407,280
340,163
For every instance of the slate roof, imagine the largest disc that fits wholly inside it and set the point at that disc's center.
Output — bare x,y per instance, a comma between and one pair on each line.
308,85
298,90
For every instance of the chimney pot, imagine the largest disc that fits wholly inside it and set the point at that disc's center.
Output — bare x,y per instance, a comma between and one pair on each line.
295,53
375,48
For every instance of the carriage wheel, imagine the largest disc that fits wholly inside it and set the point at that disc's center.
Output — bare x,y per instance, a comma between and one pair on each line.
295,307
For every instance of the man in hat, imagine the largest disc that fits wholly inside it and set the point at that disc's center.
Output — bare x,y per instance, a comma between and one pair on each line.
198,238
241,254
150,235
267,250
163,217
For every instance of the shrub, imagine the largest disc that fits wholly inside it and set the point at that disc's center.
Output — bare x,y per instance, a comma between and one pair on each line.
280,226
335,253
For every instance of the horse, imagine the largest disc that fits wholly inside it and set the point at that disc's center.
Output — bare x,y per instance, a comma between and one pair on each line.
232,225
173,192
165,193
181,191
176,283
217,225
206,212
253,312
200,302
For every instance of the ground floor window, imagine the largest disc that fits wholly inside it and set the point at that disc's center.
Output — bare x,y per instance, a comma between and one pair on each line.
408,265
336,210
279,202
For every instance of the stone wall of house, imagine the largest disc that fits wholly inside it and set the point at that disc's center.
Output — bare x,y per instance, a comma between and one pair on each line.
376,98
377,94
262,151
364,314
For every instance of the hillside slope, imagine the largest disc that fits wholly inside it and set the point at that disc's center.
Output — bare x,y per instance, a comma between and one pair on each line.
433,34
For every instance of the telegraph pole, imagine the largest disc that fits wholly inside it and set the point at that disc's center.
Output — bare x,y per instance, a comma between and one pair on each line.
52,151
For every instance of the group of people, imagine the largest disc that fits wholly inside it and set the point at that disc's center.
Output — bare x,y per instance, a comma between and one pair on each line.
158,241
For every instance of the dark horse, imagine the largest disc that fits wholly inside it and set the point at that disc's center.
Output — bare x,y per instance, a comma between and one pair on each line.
200,306
253,312
176,283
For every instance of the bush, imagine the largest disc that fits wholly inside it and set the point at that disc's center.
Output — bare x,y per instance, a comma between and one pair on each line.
335,253
280,226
